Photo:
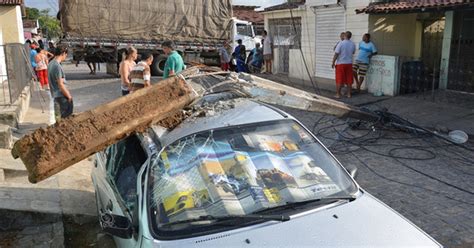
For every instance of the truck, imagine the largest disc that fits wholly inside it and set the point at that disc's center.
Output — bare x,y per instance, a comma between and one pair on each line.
100,31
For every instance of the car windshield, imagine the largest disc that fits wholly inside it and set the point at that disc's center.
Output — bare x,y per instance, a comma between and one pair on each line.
242,170
244,29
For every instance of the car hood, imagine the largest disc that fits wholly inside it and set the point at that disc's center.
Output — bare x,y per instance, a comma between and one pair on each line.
364,222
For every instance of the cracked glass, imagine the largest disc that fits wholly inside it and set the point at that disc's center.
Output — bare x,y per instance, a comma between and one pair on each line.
242,170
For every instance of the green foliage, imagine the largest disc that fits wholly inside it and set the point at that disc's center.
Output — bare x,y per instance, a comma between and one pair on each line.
32,13
50,25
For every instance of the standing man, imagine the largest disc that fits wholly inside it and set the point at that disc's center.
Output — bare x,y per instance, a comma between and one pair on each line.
141,74
57,83
367,49
267,52
342,61
239,54
174,63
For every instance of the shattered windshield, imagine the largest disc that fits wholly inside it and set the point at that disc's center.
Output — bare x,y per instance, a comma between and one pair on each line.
242,170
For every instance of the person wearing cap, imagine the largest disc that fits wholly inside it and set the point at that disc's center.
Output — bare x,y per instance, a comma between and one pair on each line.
33,54
174,63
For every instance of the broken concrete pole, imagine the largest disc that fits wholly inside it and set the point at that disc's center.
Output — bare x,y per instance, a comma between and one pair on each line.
274,93
279,94
50,150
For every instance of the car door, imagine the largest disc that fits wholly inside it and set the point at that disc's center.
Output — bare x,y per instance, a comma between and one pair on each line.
118,189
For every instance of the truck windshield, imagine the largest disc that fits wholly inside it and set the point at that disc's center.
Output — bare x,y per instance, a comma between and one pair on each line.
244,29
241,170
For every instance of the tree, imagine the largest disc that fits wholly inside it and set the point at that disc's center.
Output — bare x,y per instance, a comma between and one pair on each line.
49,25
32,13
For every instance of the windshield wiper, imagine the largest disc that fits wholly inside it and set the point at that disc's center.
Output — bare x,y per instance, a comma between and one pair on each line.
281,218
320,201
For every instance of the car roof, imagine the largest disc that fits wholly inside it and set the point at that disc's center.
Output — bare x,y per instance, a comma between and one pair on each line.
235,112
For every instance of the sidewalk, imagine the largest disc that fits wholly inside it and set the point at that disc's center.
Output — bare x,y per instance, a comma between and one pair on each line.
69,193
449,110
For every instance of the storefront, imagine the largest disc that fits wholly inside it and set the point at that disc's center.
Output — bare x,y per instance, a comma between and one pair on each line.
433,42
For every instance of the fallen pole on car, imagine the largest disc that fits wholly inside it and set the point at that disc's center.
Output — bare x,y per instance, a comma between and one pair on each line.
50,150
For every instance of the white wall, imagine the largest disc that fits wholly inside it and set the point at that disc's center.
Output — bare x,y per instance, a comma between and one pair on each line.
11,24
358,24
3,68
307,41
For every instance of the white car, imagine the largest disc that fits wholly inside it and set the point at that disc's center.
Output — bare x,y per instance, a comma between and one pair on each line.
159,188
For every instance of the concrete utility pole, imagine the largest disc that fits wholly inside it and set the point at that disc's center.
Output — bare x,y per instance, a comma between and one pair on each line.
48,151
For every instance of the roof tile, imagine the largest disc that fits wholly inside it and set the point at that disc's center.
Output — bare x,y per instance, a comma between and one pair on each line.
412,6
11,2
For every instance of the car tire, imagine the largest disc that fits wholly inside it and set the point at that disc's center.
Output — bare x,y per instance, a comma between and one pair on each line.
158,66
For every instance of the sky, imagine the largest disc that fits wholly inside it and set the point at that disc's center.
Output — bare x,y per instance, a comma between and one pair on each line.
53,4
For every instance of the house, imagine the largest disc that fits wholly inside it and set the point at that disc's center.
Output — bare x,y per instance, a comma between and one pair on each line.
11,25
248,13
30,28
433,39
291,25
310,29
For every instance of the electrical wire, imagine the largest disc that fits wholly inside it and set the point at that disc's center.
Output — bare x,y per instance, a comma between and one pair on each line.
314,84
348,143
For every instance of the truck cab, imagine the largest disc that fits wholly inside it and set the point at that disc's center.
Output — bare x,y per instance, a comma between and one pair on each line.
245,31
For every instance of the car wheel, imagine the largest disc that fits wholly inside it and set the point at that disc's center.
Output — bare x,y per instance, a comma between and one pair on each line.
158,66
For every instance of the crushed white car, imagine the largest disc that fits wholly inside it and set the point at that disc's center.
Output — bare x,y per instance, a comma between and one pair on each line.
239,173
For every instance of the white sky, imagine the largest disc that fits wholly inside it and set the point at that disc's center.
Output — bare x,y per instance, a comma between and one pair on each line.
53,4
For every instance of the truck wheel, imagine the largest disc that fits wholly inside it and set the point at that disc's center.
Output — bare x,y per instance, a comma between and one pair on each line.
158,66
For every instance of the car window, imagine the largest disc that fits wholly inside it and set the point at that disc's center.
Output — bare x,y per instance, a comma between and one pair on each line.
124,160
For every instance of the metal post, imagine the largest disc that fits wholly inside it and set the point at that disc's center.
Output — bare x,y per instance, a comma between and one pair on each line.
8,76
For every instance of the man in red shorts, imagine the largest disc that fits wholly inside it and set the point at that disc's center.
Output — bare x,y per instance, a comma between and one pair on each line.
342,61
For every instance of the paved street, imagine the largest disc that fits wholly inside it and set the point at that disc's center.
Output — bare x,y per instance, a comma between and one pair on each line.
427,180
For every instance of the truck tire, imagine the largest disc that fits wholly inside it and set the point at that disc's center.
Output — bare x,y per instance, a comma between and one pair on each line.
158,66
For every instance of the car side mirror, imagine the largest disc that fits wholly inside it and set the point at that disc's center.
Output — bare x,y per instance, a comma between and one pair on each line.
116,225
352,170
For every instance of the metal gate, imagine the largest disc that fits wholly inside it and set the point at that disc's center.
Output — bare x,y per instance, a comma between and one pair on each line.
461,59
17,74
330,22
285,38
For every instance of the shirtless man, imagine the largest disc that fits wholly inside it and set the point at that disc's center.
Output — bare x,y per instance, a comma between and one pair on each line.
126,67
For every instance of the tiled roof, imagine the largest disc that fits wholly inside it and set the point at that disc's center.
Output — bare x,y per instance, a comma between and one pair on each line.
248,15
413,6
252,7
287,5
11,2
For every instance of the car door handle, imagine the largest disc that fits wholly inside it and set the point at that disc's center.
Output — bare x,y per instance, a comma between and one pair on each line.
109,206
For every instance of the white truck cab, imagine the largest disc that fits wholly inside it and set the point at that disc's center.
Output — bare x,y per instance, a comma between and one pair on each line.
244,30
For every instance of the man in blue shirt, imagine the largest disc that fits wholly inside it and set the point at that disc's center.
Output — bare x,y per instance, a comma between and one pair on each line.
367,49
33,54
